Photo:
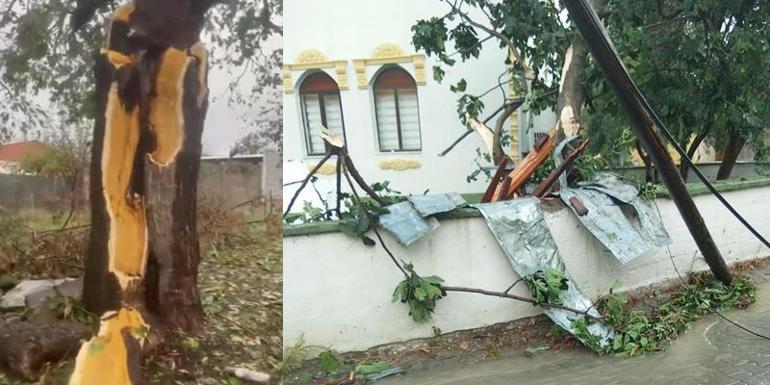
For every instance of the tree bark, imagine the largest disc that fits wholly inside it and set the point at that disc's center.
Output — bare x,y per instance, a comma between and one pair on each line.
174,254
733,148
650,176
684,167
570,101
141,271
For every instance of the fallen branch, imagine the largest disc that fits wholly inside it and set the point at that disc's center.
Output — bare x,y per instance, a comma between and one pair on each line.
522,299
372,221
553,176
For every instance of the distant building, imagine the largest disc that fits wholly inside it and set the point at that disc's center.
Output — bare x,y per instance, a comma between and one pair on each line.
350,66
12,154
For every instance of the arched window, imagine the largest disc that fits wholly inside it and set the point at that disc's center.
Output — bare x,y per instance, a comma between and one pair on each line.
321,107
398,117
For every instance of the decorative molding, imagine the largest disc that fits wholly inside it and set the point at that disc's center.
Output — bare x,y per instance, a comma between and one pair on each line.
400,164
314,59
360,67
387,50
389,53
310,56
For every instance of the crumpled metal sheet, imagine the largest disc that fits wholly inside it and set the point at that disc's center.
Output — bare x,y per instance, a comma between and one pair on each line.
649,222
406,224
627,238
430,204
613,186
606,221
521,231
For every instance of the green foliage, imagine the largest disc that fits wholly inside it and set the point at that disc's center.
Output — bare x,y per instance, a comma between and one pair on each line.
365,369
293,356
191,344
329,360
580,327
533,26
41,55
8,281
638,333
421,293
72,309
55,161
648,191
542,171
546,286
697,62
608,153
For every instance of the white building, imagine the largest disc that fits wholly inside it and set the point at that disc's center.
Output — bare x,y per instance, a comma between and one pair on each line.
350,66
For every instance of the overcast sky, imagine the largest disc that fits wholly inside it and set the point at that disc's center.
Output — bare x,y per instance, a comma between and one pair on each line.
225,124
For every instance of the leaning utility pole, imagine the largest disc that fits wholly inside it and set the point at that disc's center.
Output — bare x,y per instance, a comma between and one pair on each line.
592,29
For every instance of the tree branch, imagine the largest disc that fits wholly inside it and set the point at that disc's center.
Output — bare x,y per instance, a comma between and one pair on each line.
522,299
495,33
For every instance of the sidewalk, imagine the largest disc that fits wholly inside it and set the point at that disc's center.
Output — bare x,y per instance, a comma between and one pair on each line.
712,352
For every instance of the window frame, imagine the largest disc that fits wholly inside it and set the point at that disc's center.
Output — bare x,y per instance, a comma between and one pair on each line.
322,107
395,90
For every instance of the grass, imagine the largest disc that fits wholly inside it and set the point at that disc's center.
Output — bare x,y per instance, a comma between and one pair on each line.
240,283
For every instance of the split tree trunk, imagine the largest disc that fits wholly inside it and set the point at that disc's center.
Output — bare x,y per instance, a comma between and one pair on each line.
570,101
733,148
141,271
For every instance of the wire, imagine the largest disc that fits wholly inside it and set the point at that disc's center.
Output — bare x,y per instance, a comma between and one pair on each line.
684,282
605,40
663,129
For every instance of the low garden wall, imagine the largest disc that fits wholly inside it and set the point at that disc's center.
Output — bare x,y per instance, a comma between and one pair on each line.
337,291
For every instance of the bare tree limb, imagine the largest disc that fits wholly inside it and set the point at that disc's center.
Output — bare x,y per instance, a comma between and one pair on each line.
522,299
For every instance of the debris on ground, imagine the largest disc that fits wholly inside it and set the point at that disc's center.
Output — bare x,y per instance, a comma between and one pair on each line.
33,293
249,375
533,351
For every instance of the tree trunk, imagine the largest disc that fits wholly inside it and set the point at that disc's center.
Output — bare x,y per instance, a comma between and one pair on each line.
733,148
650,176
684,167
142,266
570,100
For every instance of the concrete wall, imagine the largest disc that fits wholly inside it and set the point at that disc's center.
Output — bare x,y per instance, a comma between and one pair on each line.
31,192
337,292
228,181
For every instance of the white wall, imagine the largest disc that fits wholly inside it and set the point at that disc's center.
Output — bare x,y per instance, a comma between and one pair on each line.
347,30
337,292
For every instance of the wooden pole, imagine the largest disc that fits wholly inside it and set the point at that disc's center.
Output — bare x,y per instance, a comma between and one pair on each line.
592,29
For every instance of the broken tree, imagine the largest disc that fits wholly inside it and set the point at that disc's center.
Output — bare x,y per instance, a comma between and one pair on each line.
141,271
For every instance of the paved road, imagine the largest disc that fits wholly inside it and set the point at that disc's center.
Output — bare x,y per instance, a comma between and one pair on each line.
712,352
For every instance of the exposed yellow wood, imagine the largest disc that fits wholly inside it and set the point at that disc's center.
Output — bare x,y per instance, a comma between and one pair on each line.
166,108
127,245
103,360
